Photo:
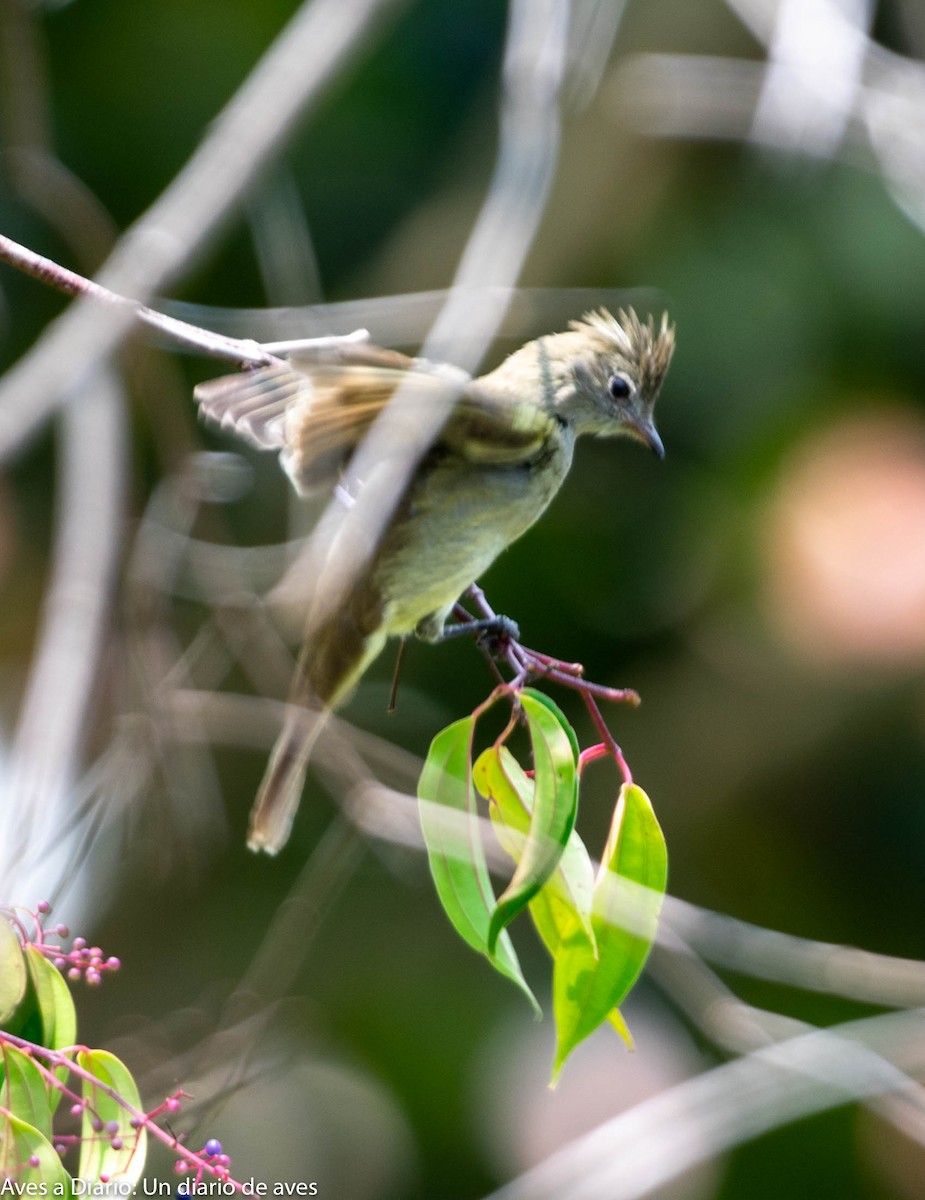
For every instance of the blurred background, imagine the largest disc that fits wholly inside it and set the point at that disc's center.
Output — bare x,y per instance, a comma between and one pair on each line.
756,167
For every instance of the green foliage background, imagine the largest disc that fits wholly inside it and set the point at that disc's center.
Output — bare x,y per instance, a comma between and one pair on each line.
789,789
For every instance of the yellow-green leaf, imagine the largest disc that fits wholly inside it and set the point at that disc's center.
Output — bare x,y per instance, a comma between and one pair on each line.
451,828
23,1090
55,1006
552,818
29,1158
628,893
566,895
12,971
117,1150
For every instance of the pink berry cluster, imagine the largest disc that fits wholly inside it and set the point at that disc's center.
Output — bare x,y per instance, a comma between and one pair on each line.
81,961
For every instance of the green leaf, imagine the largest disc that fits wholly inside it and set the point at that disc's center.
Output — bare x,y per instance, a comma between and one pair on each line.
54,1001
24,1091
55,1008
542,698
555,801
566,896
19,1142
12,972
450,824
628,894
125,1161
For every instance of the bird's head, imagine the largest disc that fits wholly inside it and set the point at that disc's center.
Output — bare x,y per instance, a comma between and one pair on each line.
606,373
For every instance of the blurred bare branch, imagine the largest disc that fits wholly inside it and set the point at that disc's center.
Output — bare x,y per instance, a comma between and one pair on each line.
660,1139
533,73
55,708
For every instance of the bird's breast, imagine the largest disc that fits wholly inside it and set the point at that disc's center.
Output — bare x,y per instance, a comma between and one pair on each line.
455,520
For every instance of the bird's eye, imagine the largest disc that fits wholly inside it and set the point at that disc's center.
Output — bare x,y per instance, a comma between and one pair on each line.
619,387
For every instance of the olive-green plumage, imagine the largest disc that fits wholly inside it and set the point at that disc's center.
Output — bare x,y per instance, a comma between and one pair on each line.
499,459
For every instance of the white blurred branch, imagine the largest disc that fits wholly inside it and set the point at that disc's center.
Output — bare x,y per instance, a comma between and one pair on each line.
533,73
88,540
658,1140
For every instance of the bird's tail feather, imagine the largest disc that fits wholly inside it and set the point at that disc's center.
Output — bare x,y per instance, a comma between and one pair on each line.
281,790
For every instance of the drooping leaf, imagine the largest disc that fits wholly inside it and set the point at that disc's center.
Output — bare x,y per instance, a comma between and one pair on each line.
12,972
628,893
55,1008
566,895
23,1090
29,1158
547,702
555,799
117,1150
54,1001
450,824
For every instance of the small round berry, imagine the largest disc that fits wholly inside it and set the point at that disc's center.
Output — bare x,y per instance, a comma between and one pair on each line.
92,977
213,1147
74,973
76,1110
96,1125
62,930
116,1143
173,1104
43,907
34,1160
79,943
113,963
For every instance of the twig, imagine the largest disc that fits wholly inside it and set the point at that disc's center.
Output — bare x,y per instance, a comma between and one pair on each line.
321,37
239,353
531,664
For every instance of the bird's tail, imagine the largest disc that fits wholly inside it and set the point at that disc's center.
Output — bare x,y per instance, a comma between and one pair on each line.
281,790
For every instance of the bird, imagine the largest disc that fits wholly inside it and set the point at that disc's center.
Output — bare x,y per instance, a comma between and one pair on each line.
501,455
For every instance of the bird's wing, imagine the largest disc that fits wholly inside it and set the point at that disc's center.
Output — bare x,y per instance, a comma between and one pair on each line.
317,413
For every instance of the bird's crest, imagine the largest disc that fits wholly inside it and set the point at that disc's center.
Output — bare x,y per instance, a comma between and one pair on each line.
640,345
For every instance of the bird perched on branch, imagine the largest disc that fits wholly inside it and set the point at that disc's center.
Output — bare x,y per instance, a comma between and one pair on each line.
499,458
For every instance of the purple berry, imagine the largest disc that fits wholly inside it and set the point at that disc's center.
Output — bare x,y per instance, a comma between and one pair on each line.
213,1147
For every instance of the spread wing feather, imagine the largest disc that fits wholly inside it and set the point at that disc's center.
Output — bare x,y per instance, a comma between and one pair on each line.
317,412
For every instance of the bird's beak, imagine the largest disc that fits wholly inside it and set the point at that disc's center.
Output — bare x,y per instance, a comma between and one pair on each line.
646,432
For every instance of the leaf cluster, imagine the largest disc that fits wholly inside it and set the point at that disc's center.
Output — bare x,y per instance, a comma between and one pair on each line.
597,922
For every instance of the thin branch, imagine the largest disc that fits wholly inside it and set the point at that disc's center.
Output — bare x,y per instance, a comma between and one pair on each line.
240,354
315,46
